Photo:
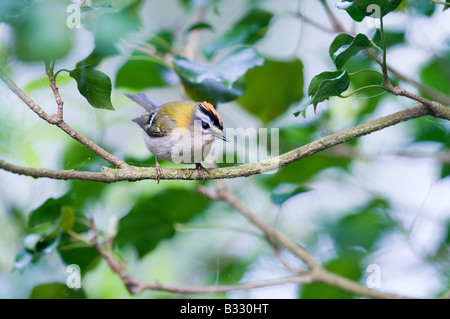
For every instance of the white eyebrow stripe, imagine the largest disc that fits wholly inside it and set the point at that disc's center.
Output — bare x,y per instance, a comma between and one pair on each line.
205,118
151,119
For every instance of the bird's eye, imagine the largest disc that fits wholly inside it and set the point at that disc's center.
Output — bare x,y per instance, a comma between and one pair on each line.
205,125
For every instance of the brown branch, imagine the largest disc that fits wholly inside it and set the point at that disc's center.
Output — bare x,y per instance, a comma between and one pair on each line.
135,287
59,115
317,272
337,26
345,151
432,93
314,23
224,194
57,120
115,266
133,173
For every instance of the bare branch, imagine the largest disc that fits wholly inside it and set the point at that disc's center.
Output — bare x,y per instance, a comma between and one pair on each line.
135,287
133,173
59,115
57,120
432,93
318,273
337,26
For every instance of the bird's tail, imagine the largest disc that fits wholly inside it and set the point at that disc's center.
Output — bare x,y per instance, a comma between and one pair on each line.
143,101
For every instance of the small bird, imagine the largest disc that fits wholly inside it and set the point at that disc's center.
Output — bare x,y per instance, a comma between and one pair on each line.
180,131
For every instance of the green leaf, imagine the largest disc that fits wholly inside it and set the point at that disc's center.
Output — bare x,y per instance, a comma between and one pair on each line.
85,257
67,218
40,30
362,228
446,6
215,83
143,74
304,170
247,30
199,26
345,267
49,212
344,46
351,9
152,219
226,270
434,130
64,211
435,73
211,91
272,88
36,246
162,41
285,191
193,4
324,86
23,259
94,85
423,7
393,37
358,9
93,59
79,157
30,241
10,10
56,290
112,25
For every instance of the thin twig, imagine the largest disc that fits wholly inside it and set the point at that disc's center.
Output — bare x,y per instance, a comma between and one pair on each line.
56,120
59,115
274,237
115,266
315,23
135,287
133,173
337,26
434,94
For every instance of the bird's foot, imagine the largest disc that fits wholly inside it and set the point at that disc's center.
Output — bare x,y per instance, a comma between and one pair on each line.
202,170
158,172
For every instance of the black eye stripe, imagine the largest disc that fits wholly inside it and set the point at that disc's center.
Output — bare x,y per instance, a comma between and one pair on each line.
216,122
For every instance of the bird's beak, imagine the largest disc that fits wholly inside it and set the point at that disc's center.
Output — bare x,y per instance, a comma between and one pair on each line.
219,136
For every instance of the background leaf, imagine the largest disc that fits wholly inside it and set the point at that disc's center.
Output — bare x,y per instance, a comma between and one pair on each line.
341,266
94,85
272,88
215,83
56,290
40,30
247,30
153,219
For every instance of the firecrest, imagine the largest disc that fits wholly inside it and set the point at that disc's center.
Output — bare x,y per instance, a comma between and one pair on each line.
181,131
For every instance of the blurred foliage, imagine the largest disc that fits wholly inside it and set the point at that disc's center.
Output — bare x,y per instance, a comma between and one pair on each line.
153,219
229,68
266,100
56,291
